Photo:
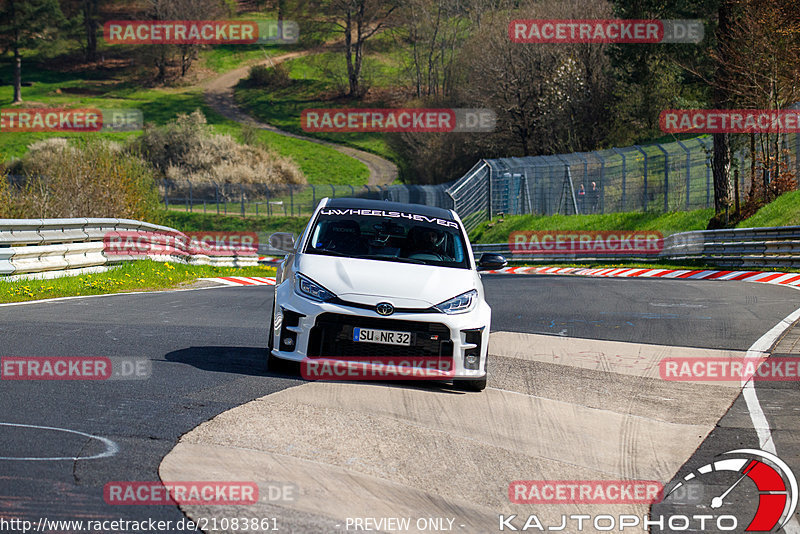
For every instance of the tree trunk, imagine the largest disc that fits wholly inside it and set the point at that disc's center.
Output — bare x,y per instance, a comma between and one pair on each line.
352,79
90,24
721,162
17,77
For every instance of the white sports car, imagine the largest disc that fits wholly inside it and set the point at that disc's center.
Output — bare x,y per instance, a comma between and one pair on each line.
371,278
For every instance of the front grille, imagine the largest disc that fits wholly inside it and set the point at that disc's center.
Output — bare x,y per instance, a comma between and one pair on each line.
332,335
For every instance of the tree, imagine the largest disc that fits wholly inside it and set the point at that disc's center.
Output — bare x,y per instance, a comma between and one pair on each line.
82,24
358,21
163,55
549,98
22,24
432,32
756,68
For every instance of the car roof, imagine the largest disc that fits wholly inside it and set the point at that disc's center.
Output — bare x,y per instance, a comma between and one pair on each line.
363,203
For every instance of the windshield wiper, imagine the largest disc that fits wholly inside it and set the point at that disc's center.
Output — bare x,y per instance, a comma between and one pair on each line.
390,258
326,252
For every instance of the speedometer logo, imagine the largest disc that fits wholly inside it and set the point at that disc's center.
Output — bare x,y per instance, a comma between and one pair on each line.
775,484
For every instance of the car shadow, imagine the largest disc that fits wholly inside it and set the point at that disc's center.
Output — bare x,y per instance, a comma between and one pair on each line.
251,361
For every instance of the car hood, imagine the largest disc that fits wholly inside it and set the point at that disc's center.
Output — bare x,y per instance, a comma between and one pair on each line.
404,285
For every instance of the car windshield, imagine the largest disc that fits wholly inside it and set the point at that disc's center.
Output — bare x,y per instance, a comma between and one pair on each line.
388,236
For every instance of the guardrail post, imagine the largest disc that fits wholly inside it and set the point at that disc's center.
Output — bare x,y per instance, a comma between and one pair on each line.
637,147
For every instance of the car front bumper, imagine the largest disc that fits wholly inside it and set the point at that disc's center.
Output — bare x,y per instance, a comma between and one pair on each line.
304,328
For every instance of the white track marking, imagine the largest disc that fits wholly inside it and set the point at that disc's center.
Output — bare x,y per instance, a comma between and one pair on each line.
111,447
76,297
758,350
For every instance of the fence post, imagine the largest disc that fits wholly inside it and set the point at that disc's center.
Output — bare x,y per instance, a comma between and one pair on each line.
489,189
333,191
241,194
352,191
637,147
166,196
269,207
602,184
688,170
666,177
797,157
624,174
313,197
191,197
291,200
708,167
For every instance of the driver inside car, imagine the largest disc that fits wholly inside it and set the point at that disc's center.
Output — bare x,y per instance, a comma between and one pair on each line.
424,241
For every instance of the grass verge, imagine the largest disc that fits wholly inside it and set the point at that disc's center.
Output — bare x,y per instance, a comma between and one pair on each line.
199,222
142,275
783,211
311,88
498,230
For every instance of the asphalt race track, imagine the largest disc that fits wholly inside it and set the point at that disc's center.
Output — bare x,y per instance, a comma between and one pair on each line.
551,367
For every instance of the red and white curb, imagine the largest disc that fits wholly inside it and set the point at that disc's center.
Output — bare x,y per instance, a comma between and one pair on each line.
243,280
788,279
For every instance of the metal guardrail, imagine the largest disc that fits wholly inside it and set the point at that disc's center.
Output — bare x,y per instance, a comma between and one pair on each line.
42,245
738,248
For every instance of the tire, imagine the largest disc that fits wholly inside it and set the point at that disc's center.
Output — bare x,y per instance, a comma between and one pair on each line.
275,364
271,342
478,384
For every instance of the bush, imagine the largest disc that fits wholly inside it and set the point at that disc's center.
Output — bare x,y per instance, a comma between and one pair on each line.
263,76
185,150
89,179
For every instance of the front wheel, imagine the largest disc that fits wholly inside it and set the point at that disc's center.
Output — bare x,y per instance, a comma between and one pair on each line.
478,384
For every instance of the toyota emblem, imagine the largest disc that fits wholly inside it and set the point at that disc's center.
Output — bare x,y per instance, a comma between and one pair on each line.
384,308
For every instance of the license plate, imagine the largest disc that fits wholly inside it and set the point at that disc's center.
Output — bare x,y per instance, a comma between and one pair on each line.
385,337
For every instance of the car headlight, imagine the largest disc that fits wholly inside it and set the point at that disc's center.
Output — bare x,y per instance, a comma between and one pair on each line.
461,304
308,288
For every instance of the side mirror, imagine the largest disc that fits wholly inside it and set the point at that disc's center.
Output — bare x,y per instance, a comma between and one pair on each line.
491,261
283,241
